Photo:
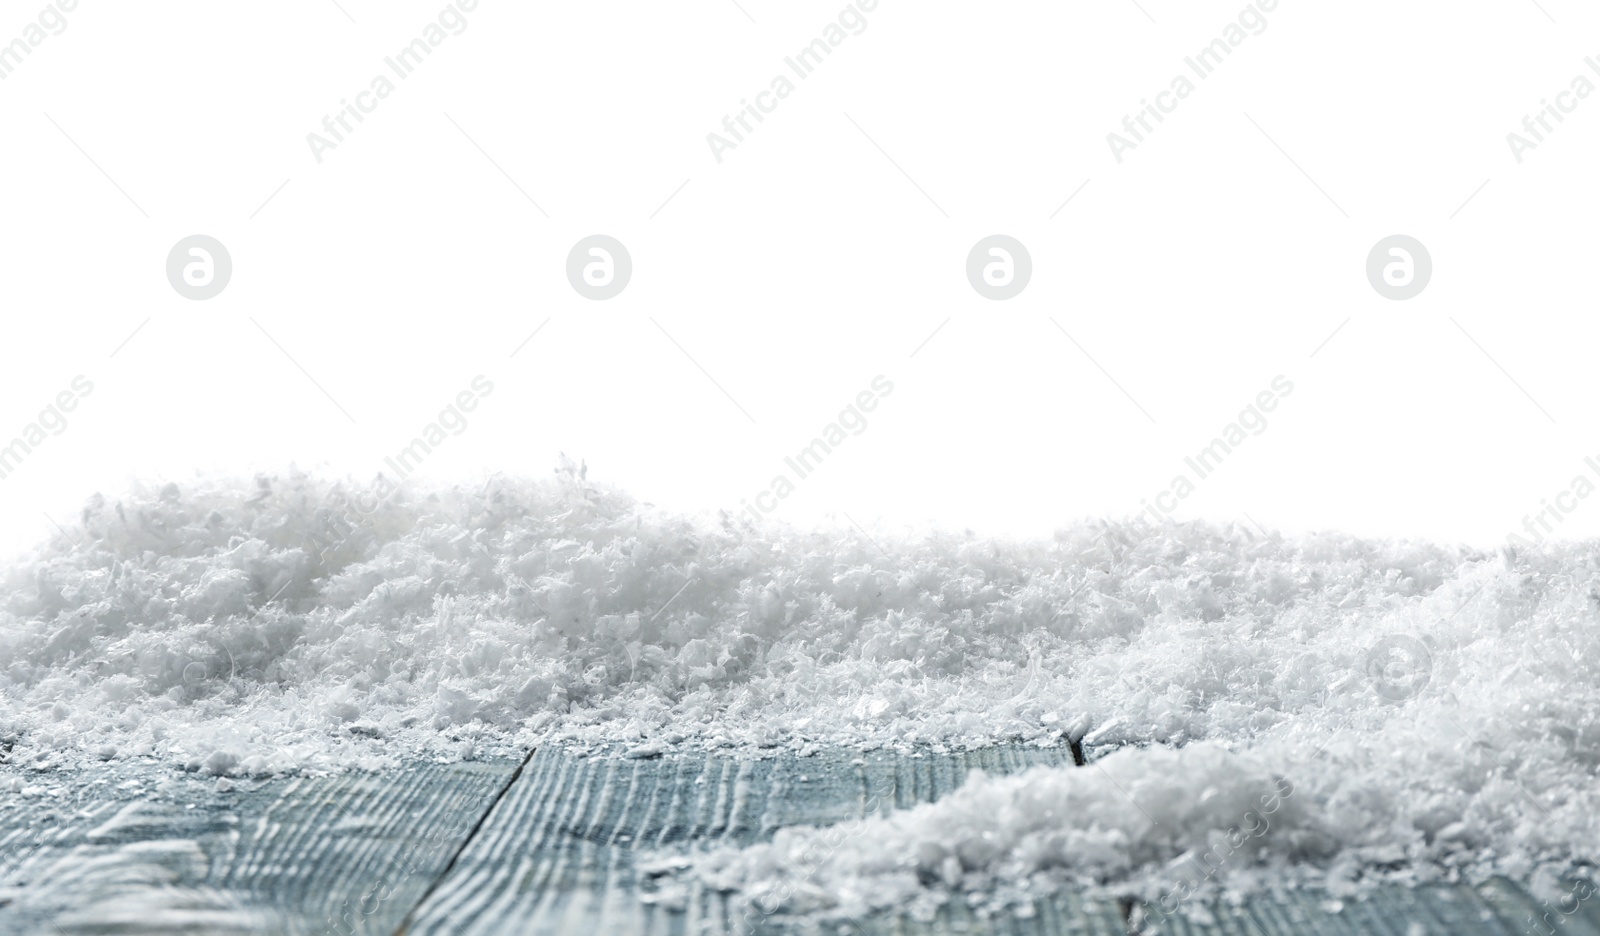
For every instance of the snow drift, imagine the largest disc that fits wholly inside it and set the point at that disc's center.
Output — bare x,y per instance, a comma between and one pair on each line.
263,626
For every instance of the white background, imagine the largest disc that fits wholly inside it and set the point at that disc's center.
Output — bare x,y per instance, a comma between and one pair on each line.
806,262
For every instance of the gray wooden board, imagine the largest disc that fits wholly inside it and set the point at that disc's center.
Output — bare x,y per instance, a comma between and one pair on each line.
146,849
557,854
141,848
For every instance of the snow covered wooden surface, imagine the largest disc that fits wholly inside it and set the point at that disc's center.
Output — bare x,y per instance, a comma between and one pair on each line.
145,849
1436,710
558,853
549,846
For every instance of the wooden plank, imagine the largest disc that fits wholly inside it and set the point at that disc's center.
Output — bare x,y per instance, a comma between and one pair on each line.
557,854
145,849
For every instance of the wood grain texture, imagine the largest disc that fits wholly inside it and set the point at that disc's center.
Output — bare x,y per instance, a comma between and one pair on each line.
160,852
465,848
557,854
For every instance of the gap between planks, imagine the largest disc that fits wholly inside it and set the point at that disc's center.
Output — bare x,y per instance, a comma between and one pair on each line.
405,923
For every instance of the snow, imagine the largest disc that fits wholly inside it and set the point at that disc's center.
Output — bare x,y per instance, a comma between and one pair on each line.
1432,708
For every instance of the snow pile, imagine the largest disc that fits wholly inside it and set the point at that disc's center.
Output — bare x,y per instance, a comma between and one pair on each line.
1328,714
1433,709
292,622
1176,828
1010,839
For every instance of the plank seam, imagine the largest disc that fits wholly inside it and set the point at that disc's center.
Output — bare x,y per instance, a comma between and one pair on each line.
405,923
